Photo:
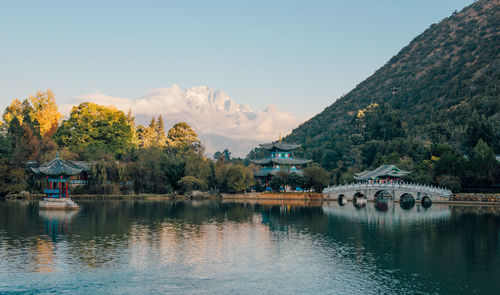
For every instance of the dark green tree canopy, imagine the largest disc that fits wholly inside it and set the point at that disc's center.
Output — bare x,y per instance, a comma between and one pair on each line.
92,125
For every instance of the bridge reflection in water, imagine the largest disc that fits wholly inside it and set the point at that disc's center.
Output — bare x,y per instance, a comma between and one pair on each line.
386,212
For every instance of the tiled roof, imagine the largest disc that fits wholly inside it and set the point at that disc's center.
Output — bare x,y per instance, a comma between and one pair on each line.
58,167
262,173
384,170
261,161
282,161
280,146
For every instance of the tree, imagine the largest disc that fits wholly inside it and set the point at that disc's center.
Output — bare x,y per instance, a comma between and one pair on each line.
238,178
190,183
220,174
294,180
131,123
45,110
217,155
145,136
13,179
153,171
275,183
316,177
181,135
151,135
227,154
479,128
15,110
161,138
450,182
6,147
450,163
198,166
92,125
482,164
232,178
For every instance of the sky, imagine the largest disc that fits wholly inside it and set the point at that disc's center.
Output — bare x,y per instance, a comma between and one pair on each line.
298,55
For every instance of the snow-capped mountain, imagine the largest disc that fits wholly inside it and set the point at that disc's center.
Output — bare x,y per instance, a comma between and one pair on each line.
218,119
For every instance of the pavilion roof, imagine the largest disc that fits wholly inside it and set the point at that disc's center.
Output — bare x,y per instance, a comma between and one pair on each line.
57,167
282,161
263,173
280,146
384,170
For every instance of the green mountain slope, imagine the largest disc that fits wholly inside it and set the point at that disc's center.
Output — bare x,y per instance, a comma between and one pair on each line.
443,88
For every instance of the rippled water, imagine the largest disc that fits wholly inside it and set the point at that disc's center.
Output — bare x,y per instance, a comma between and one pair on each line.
210,247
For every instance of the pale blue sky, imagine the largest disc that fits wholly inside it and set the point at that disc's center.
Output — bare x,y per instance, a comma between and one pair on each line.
298,55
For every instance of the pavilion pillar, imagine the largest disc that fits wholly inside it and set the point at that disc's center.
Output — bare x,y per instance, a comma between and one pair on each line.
67,188
60,187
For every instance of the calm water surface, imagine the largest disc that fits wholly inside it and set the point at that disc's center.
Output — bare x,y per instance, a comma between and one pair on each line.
211,247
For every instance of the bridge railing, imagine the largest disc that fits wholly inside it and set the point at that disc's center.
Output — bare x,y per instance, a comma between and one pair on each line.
429,189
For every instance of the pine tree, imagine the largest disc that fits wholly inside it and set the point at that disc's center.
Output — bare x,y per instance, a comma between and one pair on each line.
161,138
131,123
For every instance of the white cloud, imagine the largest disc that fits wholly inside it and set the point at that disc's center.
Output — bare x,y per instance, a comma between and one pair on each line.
211,113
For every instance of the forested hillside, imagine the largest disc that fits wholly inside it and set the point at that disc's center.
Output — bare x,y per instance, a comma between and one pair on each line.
433,108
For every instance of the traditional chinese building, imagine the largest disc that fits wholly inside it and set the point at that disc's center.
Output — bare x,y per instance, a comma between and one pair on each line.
57,174
384,173
280,158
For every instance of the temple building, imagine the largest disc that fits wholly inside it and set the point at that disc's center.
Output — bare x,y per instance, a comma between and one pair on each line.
280,158
384,173
57,174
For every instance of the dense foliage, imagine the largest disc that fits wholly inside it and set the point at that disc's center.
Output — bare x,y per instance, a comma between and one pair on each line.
434,108
93,127
123,158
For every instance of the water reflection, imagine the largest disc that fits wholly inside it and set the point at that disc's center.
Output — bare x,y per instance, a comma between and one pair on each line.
43,254
249,247
57,222
385,212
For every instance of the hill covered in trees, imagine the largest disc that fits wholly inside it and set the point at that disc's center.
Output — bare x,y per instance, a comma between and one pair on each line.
433,108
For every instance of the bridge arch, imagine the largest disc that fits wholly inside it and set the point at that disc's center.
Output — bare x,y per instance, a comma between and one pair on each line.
342,199
426,202
359,195
407,201
359,200
382,194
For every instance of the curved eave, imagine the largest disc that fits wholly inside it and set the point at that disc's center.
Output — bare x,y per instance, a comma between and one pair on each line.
57,167
280,146
261,161
282,161
275,172
292,161
382,171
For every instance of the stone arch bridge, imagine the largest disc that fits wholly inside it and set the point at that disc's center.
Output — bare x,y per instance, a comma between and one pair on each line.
395,191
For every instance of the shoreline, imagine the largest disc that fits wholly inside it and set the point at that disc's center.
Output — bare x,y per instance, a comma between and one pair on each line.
309,197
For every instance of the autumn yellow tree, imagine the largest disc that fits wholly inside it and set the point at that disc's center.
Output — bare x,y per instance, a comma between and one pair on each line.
14,110
45,110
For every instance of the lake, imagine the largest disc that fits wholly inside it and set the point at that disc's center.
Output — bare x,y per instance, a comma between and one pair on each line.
264,247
